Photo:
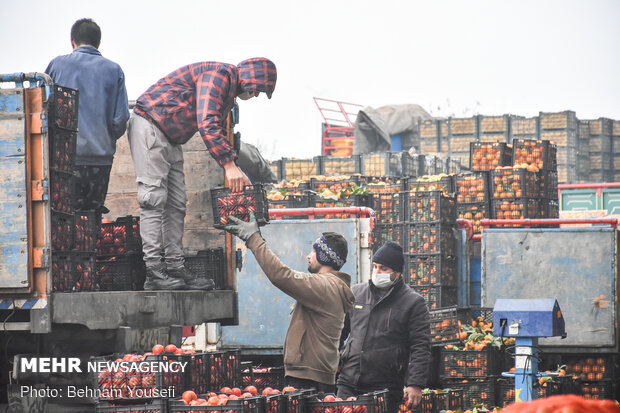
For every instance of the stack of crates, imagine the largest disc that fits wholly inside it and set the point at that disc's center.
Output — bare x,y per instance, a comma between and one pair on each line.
615,131
120,264
63,113
429,244
583,156
600,149
462,131
562,129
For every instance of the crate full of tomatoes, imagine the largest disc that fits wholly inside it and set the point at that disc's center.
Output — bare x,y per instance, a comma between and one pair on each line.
225,203
472,187
424,269
374,402
62,149
62,191
62,231
87,230
154,375
430,207
541,154
63,107
515,182
485,156
120,236
121,272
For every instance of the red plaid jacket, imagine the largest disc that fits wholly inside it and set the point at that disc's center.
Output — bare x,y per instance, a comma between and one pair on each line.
198,97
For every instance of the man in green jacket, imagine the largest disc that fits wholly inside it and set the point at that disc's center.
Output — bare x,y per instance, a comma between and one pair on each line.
323,297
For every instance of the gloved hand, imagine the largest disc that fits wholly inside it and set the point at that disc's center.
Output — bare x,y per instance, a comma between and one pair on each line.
242,229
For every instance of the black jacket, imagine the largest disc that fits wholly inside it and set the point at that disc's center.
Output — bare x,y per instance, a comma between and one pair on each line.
389,339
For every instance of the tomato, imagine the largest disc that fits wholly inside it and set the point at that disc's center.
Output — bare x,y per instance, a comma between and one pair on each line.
188,396
252,389
329,398
267,391
288,389
158,348
171,348
226,390
236,391
213,401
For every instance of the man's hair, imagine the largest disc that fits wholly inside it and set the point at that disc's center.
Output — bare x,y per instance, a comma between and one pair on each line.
337,243
86,31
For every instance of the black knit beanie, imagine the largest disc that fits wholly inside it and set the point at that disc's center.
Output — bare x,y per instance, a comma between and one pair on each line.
390,255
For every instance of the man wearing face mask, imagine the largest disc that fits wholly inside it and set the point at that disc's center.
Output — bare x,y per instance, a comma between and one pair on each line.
388,330
323,298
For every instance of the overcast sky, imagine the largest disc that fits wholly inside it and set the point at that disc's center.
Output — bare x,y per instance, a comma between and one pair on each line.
451,57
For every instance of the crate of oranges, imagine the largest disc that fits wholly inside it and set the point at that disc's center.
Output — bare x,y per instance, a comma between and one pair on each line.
542,154
515,182
485,156
472,187
515,208
430,207
430,269
475,213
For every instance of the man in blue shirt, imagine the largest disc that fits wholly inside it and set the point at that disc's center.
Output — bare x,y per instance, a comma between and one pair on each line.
103,111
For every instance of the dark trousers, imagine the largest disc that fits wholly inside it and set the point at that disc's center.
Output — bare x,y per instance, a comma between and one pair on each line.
91,187
301,384
393,400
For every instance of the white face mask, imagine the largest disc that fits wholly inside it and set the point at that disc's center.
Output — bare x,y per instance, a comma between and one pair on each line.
382,280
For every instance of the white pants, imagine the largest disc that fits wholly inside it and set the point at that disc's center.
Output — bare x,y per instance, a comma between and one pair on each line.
161,192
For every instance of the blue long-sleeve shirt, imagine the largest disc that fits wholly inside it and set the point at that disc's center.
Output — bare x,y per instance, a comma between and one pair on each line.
103,107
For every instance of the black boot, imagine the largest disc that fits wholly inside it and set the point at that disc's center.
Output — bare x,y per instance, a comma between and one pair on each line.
158,279
192,281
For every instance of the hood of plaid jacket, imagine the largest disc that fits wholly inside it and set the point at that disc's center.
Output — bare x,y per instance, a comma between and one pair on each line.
257,75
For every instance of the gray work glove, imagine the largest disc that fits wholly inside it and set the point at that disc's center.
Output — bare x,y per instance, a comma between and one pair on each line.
242,229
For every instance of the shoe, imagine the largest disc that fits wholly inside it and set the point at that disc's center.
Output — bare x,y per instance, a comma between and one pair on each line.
192,281
158,279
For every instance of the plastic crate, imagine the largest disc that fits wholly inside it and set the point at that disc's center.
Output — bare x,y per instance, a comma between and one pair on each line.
506,390
549,209
152,406
63,275
351,201
436,296
427,404
139,381
388,207
375,402
473,187
300,169
262,377
295,402
211,264
476,392
598,390
212,370
514,183
62,232
87,230
274,403
515,208
430,207
64,108
446,322
120,236
246,405
429,239
591,367
240,205
448,399
460,364
62,191
85,267
541,153
430,269
485,156
62,149
123,272
386,232
474,212
547,184
444,183
396,164
334,165
290,201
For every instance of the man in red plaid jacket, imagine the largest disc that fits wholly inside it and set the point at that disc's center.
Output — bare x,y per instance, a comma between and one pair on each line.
194,98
